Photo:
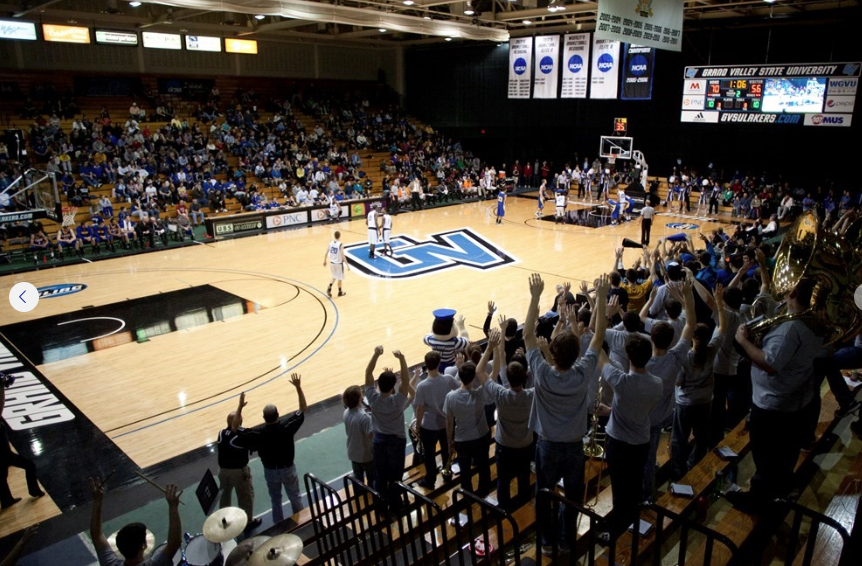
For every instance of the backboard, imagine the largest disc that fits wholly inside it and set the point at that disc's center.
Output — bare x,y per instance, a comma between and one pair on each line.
618,147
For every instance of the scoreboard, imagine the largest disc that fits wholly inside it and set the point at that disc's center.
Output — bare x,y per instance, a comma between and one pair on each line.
802,94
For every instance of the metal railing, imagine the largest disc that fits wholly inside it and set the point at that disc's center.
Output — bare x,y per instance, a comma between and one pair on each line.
817,519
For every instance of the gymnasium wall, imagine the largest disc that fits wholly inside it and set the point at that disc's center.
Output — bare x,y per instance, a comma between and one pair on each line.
463,90
283,60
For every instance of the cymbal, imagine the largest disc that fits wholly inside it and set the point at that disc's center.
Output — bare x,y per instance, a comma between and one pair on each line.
151,543
281,550
239,556
225,524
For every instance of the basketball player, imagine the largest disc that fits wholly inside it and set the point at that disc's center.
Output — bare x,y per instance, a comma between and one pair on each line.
386,232
66,238
334,208
543,196
373,231
560,201
501,204
335,254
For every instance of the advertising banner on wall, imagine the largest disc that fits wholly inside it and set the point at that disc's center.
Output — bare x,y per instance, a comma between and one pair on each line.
654,23
520,65
576,56
605,68
547,66
638,63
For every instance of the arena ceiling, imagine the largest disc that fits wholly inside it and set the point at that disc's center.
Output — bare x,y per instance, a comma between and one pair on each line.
398,22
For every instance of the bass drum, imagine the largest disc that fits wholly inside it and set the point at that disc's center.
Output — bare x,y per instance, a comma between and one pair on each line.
201,552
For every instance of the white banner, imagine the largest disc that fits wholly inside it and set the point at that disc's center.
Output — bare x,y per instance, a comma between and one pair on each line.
605,68
547,66
576,54
832,120
654,23
520,58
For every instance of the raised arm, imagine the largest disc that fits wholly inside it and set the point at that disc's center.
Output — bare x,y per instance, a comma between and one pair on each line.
295,381
405,373
536,288
601,323
618,258
688,305
704,293
234,423
175,525
98,491
369,371
15,554
481,368
486,328
719,305
644,314
765,278
738,277
462,328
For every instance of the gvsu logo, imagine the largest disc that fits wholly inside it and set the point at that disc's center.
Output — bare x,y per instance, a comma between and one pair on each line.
576,64
638,65
520,66
413,258
546,65
52,291
605,62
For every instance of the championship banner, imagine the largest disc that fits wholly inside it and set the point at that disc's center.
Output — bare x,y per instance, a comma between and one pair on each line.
638,63
520,57
653,23
547,59
605,68
576,53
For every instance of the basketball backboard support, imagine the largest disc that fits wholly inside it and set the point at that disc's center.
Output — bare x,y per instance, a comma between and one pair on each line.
35,196
615,146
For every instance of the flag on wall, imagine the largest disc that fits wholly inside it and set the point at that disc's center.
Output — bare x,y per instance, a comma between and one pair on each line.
654,23
575,64
638,63
547,66
605,68
520,64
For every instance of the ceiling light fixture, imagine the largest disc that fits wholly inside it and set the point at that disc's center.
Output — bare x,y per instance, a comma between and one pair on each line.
468,9
382,30
259,16
448,39
556,6
135,4
408,2
526,22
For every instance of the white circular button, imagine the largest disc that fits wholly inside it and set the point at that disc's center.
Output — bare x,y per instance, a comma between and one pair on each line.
23,297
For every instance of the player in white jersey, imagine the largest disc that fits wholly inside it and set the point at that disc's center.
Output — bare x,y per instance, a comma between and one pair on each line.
560,201
334,208
337,264
373,231
386,232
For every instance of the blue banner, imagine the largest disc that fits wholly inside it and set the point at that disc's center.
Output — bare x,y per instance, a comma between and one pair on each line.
638,63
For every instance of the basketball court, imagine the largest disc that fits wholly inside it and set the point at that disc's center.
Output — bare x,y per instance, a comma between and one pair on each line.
135,361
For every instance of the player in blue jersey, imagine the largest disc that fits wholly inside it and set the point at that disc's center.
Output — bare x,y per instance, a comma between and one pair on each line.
501,204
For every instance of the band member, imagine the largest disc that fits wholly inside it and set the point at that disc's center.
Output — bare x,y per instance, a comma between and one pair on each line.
337,264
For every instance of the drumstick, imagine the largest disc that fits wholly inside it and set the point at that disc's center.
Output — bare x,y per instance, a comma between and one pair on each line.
154,484
104,481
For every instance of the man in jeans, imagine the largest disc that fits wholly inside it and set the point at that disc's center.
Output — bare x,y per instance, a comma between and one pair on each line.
274,444
559,412
387,419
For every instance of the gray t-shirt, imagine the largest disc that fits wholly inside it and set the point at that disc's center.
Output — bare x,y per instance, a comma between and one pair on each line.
468,408
357,425
431,393
790,349
698,382
617,340
656,310
668,369
387,413
559,412
635,395
727,357
677,324
513,415
107,557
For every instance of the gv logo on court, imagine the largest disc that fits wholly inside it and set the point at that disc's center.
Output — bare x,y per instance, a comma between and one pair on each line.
413,258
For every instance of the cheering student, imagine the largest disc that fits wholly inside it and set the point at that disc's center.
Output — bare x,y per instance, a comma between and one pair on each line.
337,264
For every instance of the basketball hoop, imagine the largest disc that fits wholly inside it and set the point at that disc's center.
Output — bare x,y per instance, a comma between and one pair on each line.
612,158
69,213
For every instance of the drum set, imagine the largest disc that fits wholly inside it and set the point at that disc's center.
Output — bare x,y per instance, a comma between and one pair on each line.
217,546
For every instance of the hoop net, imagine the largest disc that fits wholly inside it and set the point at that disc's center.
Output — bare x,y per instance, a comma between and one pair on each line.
69,213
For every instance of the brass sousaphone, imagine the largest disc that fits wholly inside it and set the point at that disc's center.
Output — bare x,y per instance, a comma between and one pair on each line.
834,261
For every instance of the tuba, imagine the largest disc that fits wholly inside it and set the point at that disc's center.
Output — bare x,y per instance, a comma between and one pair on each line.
413,429
593,449
834,262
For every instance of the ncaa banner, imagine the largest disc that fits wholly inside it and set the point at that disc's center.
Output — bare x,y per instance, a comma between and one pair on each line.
638,63
576,53
547,59
520,57
654,23
605,71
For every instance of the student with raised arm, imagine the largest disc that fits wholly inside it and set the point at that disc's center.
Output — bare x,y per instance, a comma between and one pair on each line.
428,409
387,419
693,394
132,539
559,411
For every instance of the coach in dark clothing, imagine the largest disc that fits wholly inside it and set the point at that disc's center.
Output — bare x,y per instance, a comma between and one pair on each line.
234,473
9,458
274,444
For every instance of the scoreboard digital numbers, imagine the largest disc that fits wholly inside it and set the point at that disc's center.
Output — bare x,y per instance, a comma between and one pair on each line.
803,94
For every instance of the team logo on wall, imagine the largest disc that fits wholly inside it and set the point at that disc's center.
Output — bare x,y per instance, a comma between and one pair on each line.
681,226
414,258
52,291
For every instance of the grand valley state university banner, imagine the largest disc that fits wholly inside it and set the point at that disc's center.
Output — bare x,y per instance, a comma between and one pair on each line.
653,23
547,62
520,59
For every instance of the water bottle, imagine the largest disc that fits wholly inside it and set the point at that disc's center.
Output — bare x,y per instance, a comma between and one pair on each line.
719,484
